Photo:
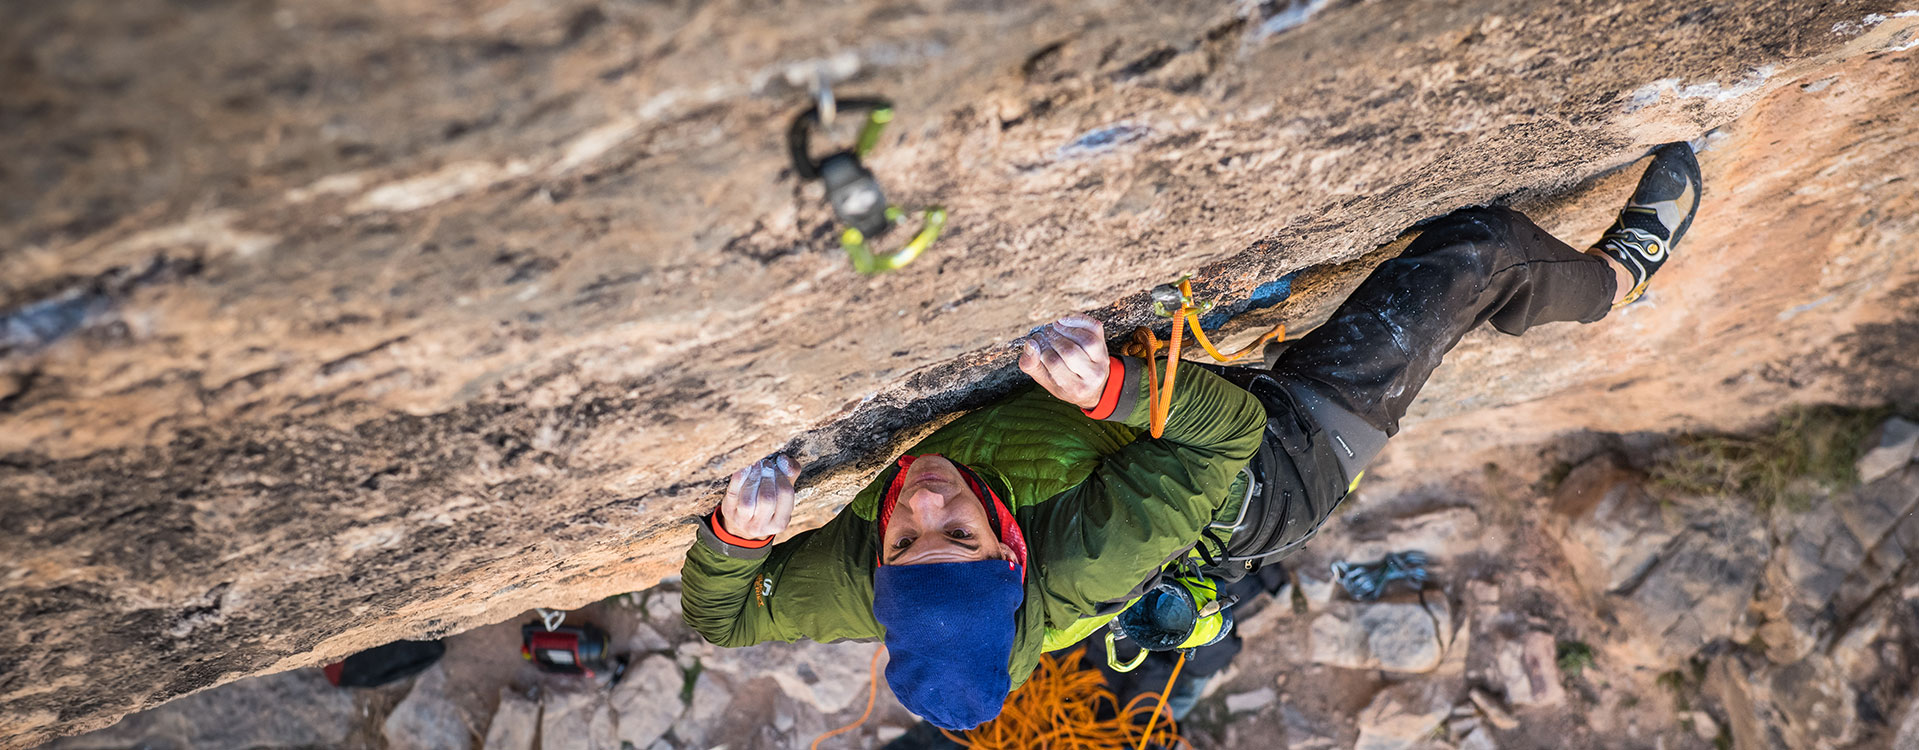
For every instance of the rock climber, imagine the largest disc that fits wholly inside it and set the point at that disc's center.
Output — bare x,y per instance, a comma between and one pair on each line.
1024,526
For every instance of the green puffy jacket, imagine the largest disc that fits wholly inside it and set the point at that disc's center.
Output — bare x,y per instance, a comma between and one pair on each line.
1102,505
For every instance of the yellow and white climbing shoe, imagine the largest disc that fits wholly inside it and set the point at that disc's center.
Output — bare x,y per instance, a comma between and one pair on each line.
1658,214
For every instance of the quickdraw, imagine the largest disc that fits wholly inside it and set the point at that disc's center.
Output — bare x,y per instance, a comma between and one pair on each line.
852,190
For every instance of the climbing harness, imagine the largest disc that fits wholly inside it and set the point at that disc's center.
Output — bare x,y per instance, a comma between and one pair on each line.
851,189
1185,611
1185,313
1368,581
1177,614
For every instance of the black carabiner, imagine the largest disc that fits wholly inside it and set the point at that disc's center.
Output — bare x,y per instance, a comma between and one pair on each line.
851,189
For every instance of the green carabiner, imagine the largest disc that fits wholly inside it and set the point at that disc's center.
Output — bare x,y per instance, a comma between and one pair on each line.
864,261
1112,655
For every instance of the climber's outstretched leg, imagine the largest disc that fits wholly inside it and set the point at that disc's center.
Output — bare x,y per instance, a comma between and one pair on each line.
1483,265
1334,397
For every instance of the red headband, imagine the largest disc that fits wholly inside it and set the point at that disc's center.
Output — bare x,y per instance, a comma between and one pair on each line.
1004,526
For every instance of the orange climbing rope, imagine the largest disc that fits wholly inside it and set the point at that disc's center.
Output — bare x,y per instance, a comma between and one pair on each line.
1060,707
1146,345
872,689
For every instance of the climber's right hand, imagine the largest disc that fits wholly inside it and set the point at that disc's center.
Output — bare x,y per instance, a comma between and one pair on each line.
1068,358
759,501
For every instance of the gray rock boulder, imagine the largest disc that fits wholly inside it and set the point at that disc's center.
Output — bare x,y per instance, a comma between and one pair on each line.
1529,669
702,718
1478,740
428,719
285,710
1832,559
1873,511
1807,705
1402,716
516,723
1699,589
1307,731
1908,736
577,720
1495,712
1254,700
826,676
1890,447
1406,637
1613,530
647,701
663,606
645,639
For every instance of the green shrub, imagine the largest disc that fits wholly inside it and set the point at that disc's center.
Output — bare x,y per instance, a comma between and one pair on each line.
1811,448
1574,657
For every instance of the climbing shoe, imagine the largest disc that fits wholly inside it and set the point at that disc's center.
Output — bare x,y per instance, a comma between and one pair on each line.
1656,217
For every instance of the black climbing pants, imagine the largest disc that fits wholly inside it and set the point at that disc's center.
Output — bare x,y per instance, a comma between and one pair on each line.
1472,266
1335,396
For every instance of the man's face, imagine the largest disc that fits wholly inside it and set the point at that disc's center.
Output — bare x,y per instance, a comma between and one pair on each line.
938,519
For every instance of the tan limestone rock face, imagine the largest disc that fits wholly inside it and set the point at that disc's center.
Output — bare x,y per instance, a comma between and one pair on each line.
1615,530
1530,671
1409,637
1401,716
332,324
646,700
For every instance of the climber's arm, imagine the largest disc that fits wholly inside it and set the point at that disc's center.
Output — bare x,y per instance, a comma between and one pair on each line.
717,585
738,591
1152,498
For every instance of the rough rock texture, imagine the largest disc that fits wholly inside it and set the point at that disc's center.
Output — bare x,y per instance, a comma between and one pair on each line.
1894,445
823,680
1527,668
1615,531
243,716
702,715
576,720
1400,716
515,724
1831,569
331,323
642,700
1543,654
1393,636
428,718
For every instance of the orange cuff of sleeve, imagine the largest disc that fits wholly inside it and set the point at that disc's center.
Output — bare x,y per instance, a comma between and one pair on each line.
719,530
1109,396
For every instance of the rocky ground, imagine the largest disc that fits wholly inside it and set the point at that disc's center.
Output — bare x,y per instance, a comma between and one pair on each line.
333,323
1594,607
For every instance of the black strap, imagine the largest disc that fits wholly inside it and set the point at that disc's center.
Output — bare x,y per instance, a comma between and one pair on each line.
1299,480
